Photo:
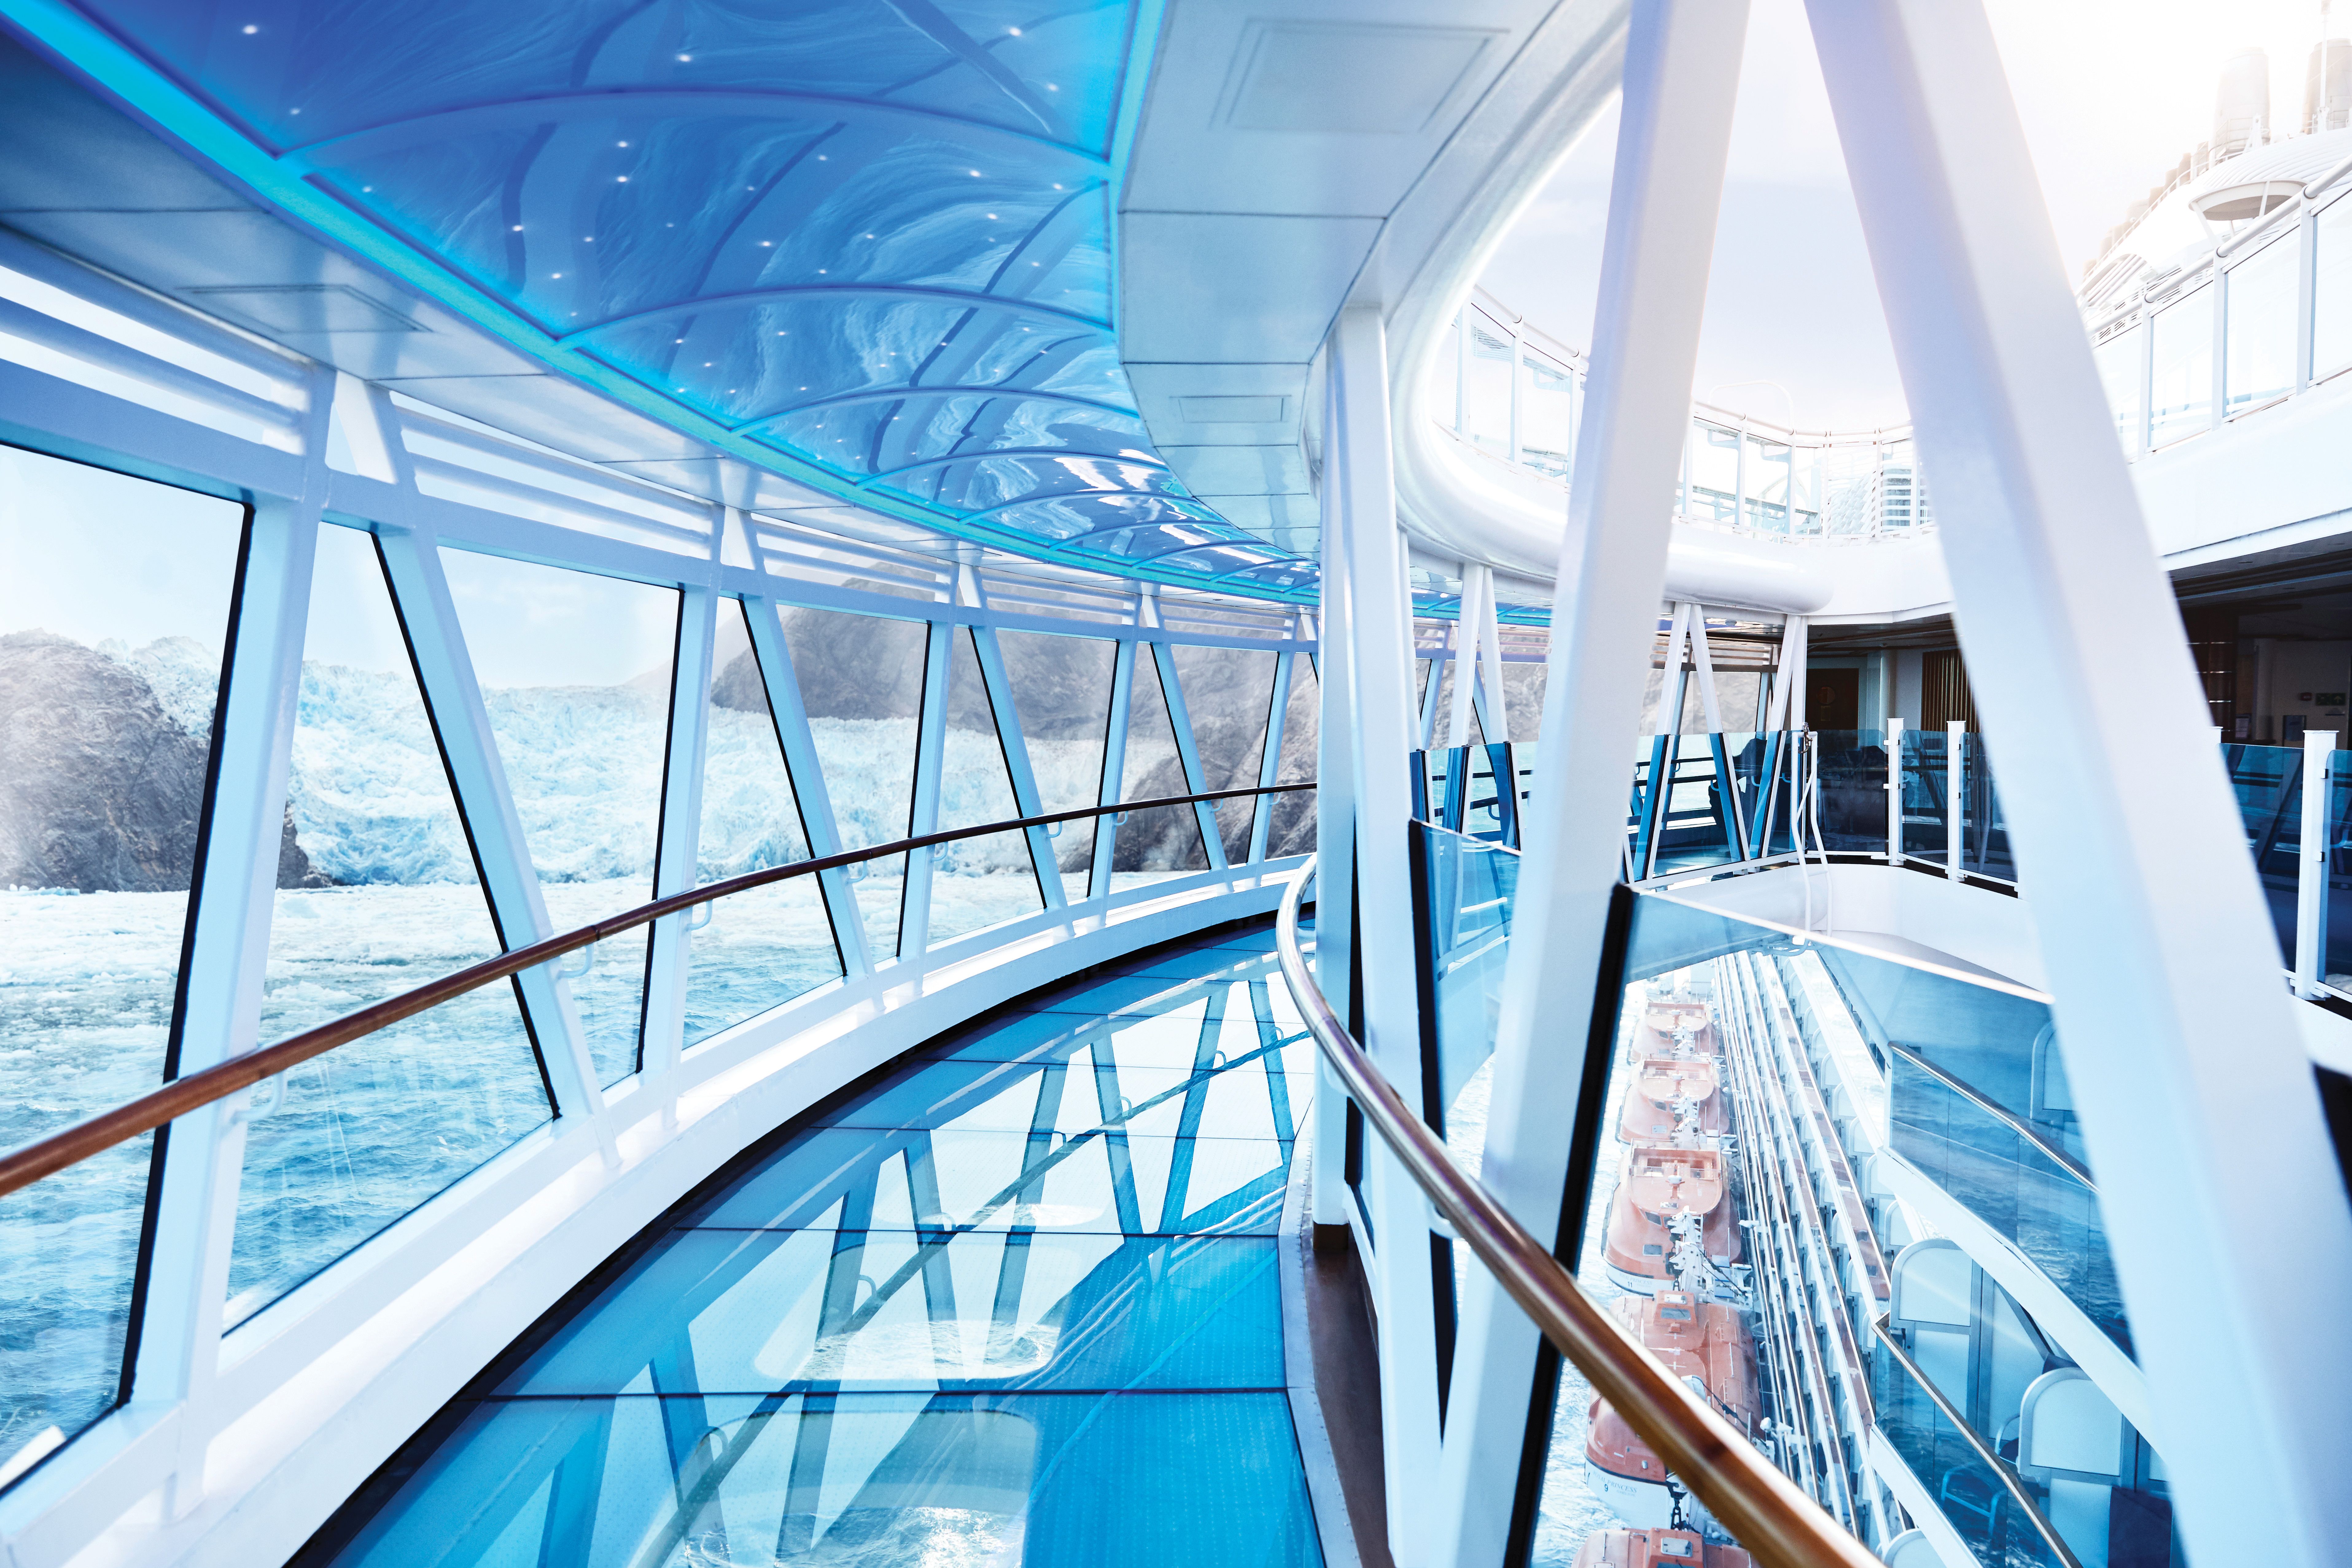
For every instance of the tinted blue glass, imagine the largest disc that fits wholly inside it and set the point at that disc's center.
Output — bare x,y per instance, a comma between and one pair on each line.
2268,781
1967,1491
845,1349
1047,1480
760,1311
1926,786
1469,887
858,236
1851,794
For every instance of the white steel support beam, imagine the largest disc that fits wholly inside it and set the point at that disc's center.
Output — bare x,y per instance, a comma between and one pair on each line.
1379,654
1682,71
823,829
1495,718
1477,583
1440,657
1114,767
2311,864
234,896
930,763
681,828
1269,758
2197,1100
1335,844
412,561
1026,799
1188,752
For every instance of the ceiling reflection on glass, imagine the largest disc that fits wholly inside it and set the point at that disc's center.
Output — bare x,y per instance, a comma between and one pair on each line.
866,243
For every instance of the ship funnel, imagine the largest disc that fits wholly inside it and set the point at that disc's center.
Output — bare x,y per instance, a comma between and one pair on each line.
2242,107
2327,86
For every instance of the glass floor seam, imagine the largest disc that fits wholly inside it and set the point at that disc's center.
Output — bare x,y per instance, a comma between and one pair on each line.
970,1310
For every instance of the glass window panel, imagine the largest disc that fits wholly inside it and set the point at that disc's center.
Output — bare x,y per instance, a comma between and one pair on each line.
1487,408
772,943
2119,365
1770,473
575,671
1229,694
114,610
1165,841
1547,417
377,894
2258,353
1061,689
861,680
2181,389
1714,463
2331,291
1291,830
977,882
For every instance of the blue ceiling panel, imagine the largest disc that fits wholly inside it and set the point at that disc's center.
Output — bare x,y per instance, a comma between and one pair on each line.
868,244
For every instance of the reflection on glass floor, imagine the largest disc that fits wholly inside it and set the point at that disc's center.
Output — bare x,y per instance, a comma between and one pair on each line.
1014,1301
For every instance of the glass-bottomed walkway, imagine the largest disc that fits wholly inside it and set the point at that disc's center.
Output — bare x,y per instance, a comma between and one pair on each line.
1012,1300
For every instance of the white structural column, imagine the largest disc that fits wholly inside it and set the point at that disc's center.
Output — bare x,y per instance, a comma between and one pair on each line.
1378,655
789,715
1682,68
236,893
675,861
930,765
2198,1103
1477,588
1335,842
2311,899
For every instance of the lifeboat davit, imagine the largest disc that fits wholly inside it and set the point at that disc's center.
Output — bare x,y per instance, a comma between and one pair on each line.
1670,1221
1673,1098
1656,1548
1709,1346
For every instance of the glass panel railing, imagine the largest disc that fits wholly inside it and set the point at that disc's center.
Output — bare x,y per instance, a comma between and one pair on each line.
69,1255
2268,781
1984,831
1467,886
1984,1504
1927,792
1851,794
2336,958
348,1142
2011,1177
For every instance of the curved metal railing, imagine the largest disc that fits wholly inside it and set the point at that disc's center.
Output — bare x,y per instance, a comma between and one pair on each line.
23,1166
1762,1508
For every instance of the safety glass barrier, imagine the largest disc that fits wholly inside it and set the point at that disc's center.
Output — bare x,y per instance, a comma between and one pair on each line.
1844,792
1702,800
1727,1229
1926,783
2335,950
1464,887
1698,1238
1460,792
2268,783
1984,832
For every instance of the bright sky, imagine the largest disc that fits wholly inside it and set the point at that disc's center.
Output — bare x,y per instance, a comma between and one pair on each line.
2110,93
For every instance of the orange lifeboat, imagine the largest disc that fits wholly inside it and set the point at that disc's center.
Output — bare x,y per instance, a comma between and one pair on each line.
1670,1100
1704,1344
1656,1548
1670,1221
1669,1028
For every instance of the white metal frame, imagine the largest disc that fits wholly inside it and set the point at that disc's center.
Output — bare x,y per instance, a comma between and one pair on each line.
233,1446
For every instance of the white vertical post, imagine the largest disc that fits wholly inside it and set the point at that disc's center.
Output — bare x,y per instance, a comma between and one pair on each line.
1270,757
1334,839
1895,791
923,813
235,895
806,769
1378,655
1114,768
1477,583
668,971
2311,865
1681,74
1496,720
2197,1099
1956,782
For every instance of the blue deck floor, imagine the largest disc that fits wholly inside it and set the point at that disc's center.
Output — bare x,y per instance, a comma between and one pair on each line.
1015,1301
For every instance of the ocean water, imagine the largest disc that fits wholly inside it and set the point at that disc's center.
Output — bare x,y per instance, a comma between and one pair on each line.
349,1142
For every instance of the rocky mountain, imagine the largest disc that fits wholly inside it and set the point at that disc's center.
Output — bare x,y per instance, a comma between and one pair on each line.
102,787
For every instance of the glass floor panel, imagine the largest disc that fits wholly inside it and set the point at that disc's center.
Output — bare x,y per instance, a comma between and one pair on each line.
1015,1300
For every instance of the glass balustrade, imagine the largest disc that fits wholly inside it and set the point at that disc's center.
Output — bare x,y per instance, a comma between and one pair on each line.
2268,783
1969,1489
1467,886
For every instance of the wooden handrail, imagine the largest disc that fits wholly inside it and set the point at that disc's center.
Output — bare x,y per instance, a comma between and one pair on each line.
1763,1510
23,1166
